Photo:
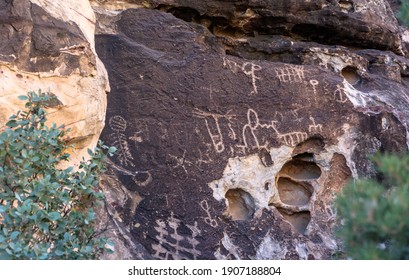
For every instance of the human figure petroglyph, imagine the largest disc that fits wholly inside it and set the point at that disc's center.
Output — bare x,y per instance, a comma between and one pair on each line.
208,220
181,161
215,132
248,68
168,237
118,124
249,131
339,95
291,74
314,128
314,84
211,90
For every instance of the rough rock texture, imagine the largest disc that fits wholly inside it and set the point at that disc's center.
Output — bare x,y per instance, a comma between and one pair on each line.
49,45
237,122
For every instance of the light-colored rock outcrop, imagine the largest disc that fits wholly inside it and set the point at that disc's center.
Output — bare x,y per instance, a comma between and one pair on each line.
49,45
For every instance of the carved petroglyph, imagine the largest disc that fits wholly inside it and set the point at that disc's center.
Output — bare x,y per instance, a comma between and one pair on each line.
250,138
314,84
208,220
118,124
136,174
168,237
204,157
248,68
181,161
232,133
253,134
215,132
144,182
291,74
137,138
290,139
211,90
339,95
314,128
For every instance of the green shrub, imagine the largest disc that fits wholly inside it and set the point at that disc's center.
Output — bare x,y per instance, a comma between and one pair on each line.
403,13
46,211
374,216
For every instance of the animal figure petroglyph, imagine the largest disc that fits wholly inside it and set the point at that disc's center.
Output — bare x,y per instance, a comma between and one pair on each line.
290,139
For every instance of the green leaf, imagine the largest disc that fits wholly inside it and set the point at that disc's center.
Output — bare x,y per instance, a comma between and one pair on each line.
59,252
14,235
54,216
24,153
12,123
2,238
18,197
23,97
35,159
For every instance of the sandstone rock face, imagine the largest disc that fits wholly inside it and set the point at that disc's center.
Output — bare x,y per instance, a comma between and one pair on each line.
237,122
49,45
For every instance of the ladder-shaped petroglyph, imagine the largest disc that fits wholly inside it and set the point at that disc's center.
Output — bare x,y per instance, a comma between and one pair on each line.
212,121
314,128
208,220
118,125
248,68
339,95
179,246
291,74
290,139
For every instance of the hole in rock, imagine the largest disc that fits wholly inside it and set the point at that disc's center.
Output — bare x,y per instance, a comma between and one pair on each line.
241,204
305,157
294,193
346,5
351,75
184,13
265,158
299,221
297,169
313,145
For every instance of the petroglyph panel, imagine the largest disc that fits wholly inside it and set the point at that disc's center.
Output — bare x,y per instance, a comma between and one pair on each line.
231,151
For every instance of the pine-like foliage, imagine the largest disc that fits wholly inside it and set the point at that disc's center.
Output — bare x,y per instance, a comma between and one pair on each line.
373,216
46,212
